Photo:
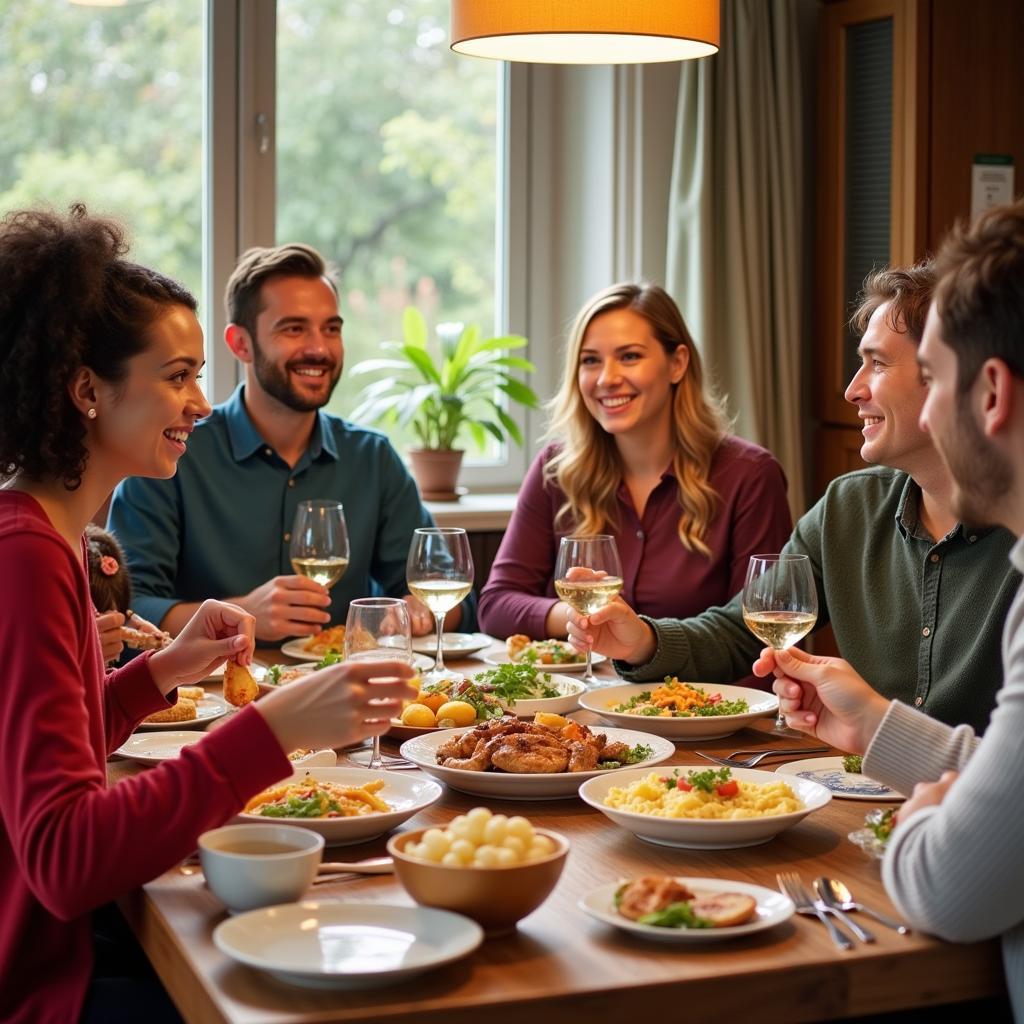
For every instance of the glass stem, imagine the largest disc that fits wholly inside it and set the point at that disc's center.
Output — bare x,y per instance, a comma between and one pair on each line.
588,675
439,657
376,763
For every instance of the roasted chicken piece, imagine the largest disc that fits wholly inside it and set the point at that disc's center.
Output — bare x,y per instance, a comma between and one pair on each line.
528,754
649,894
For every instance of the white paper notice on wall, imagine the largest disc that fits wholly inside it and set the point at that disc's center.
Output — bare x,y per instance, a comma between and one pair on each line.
991,181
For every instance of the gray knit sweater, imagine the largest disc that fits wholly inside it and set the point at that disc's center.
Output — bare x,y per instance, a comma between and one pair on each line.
957,870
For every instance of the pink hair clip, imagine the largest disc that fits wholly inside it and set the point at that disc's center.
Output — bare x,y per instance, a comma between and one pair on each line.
108,565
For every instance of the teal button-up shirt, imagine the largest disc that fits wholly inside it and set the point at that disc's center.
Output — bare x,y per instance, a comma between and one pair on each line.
221,525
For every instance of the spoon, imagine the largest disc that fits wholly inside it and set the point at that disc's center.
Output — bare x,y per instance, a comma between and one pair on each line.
843,899
370,866
824,893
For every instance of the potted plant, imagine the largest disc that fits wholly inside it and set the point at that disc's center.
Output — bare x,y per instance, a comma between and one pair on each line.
444,398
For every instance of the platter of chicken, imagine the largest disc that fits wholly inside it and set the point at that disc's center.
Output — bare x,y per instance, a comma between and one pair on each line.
545,759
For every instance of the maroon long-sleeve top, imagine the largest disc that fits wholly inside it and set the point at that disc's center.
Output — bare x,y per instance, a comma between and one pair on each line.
661,578
68,843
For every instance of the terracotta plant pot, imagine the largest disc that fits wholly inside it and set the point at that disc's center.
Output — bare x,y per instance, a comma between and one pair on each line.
436,472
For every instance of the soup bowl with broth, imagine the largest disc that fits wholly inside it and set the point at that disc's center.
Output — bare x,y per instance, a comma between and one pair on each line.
250,866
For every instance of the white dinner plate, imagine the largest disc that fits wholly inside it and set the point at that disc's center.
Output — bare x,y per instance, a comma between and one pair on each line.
407,793
422,750
454,645
154,747
346,945
829,772
704,833
772,909
711,727
209,708
295,649
573,666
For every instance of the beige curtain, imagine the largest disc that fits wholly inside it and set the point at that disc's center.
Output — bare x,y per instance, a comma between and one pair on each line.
736,222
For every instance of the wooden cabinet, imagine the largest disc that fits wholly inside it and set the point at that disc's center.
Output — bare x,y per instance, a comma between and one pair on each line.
909,91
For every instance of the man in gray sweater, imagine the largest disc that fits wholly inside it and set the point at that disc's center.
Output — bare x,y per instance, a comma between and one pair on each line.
902,582
953,865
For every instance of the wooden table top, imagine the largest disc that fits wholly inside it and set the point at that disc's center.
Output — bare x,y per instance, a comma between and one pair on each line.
562,962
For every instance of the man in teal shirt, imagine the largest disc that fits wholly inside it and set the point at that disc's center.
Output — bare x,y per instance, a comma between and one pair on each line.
220,528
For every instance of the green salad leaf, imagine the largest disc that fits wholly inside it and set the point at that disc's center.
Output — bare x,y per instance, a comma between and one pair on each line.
516,681
676,915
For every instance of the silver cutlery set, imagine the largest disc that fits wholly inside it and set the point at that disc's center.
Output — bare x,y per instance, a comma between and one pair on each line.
831,897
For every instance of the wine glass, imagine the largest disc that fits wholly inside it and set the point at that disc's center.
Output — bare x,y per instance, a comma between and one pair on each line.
319,545
377,629
439,573
780,604
588,575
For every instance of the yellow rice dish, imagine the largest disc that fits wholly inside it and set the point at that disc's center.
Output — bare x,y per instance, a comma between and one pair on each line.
650,795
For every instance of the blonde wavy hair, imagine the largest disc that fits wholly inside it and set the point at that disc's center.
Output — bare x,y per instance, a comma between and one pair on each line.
588,468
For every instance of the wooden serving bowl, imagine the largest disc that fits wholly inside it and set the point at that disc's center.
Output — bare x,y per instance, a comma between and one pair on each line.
496,898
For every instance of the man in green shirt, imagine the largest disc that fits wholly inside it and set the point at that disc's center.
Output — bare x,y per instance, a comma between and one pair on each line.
916,599
220,528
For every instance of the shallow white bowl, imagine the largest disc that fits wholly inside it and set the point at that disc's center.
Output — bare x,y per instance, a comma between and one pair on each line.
407,794
346,945
704,833
713,727
569,690
422,750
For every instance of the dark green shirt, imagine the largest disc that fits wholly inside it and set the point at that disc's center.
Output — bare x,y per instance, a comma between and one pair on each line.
920,620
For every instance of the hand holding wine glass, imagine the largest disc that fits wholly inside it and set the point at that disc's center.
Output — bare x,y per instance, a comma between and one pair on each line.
780,603
377,629
319,544
439,573
588,575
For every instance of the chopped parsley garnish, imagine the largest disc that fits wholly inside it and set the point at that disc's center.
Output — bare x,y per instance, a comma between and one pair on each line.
512,682
853,763
636,754
708,779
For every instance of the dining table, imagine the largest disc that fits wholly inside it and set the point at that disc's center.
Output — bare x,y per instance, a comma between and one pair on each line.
561,964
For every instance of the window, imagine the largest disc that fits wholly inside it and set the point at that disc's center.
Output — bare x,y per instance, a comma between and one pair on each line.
386,162
105,106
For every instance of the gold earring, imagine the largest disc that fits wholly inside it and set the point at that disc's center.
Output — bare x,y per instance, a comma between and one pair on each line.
91,414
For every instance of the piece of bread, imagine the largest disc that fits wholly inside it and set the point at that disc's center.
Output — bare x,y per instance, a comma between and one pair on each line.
196,693
239,686
141,640
516,644
183,711
725,909
650,894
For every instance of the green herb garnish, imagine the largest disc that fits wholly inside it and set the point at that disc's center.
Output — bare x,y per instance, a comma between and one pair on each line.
676,915
273,676
709,778
512,682
330,658
635,754
853,763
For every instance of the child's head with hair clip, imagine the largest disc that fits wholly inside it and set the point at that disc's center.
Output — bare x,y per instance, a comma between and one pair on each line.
109,581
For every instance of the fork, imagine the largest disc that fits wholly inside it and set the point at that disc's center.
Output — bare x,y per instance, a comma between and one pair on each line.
733,760
792,886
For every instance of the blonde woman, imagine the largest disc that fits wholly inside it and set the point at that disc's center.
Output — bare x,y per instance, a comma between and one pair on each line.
639,449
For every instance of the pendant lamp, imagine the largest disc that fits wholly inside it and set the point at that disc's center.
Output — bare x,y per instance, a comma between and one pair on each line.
585,31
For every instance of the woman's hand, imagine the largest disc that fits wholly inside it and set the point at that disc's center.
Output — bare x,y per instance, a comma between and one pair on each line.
338,705
824,697
216,632
927,794
109,626
615,630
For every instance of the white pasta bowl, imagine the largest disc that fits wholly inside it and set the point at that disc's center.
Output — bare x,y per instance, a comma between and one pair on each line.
712,727
406,795
703,833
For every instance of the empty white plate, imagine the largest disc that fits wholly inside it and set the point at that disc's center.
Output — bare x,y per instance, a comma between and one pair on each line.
454,645
154,747
346,945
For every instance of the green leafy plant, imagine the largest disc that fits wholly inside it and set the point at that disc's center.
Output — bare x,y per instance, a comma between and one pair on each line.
439,395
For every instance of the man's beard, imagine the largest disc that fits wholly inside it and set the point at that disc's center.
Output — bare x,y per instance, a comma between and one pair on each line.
277,383
981,473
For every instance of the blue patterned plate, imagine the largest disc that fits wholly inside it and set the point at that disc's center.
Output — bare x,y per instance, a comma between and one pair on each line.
828,772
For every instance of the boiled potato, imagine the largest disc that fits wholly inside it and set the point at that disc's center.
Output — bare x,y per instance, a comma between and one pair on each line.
432,700
457,711
418,715
481,839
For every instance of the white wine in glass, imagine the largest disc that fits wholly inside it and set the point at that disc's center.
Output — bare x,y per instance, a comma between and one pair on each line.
319,544
439,572
588,575
780,604
377,629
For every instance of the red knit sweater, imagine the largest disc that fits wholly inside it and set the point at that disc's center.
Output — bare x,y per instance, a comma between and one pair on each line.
68,843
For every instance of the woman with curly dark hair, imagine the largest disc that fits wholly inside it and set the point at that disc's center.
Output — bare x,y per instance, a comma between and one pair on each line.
99,370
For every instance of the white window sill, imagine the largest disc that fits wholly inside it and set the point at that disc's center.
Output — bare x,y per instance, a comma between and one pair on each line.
474,512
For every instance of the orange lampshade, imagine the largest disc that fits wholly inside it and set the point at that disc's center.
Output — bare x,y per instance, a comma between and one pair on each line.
585,31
